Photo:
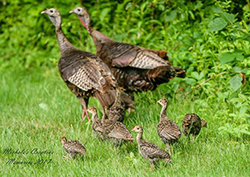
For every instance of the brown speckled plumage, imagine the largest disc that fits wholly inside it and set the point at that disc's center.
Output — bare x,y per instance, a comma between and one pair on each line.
135,68
192,124
167,129
149,150
73,147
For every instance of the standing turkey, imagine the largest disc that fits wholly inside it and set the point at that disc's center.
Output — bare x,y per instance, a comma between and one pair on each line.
84,73
167,129
192,124
135,68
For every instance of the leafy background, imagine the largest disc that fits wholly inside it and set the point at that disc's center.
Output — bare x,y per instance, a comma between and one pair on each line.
208,38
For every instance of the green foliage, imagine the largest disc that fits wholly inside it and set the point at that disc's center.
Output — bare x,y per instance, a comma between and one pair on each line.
210,39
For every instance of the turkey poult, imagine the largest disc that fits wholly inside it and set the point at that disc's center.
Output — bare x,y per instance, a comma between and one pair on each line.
116,132
110,130
167,129
149,150
96,124
135,68
73,147
84,73
117,110
192,124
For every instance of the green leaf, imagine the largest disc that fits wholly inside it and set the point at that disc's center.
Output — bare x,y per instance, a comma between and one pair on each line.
171,16
143,6
243,109
228,17
195,75
226,57
235,82
104,13
245,132
198,76
190,81
128,6
161,7
216,9
237,69
156,22
217,24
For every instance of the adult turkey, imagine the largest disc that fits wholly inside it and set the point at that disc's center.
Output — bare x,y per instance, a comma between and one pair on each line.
84,73
135,68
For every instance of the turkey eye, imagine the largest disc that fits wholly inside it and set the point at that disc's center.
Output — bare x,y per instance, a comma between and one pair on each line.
51,11
78,10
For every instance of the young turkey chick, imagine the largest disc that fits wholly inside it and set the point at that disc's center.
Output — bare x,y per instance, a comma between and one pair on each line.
117,110
192,124
148,150
116,132
110,130
167,129
96,124
73,147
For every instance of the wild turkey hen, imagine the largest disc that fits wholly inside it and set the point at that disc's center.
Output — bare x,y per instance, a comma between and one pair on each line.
110,130
73,147
84,73
192,124
135,68
167,129
149,150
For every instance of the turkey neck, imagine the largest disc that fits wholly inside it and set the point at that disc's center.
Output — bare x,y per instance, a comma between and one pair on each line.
99,39
139,137
63,42
164,112
94,117
118,97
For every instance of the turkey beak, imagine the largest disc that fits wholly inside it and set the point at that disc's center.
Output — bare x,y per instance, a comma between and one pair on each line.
44,12
72,11
133,130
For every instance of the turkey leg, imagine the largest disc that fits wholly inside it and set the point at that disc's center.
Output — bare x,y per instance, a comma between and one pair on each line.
84,109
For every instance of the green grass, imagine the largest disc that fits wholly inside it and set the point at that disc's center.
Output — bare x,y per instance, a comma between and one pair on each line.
36,109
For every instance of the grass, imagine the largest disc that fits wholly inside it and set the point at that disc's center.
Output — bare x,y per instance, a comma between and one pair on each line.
37,109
